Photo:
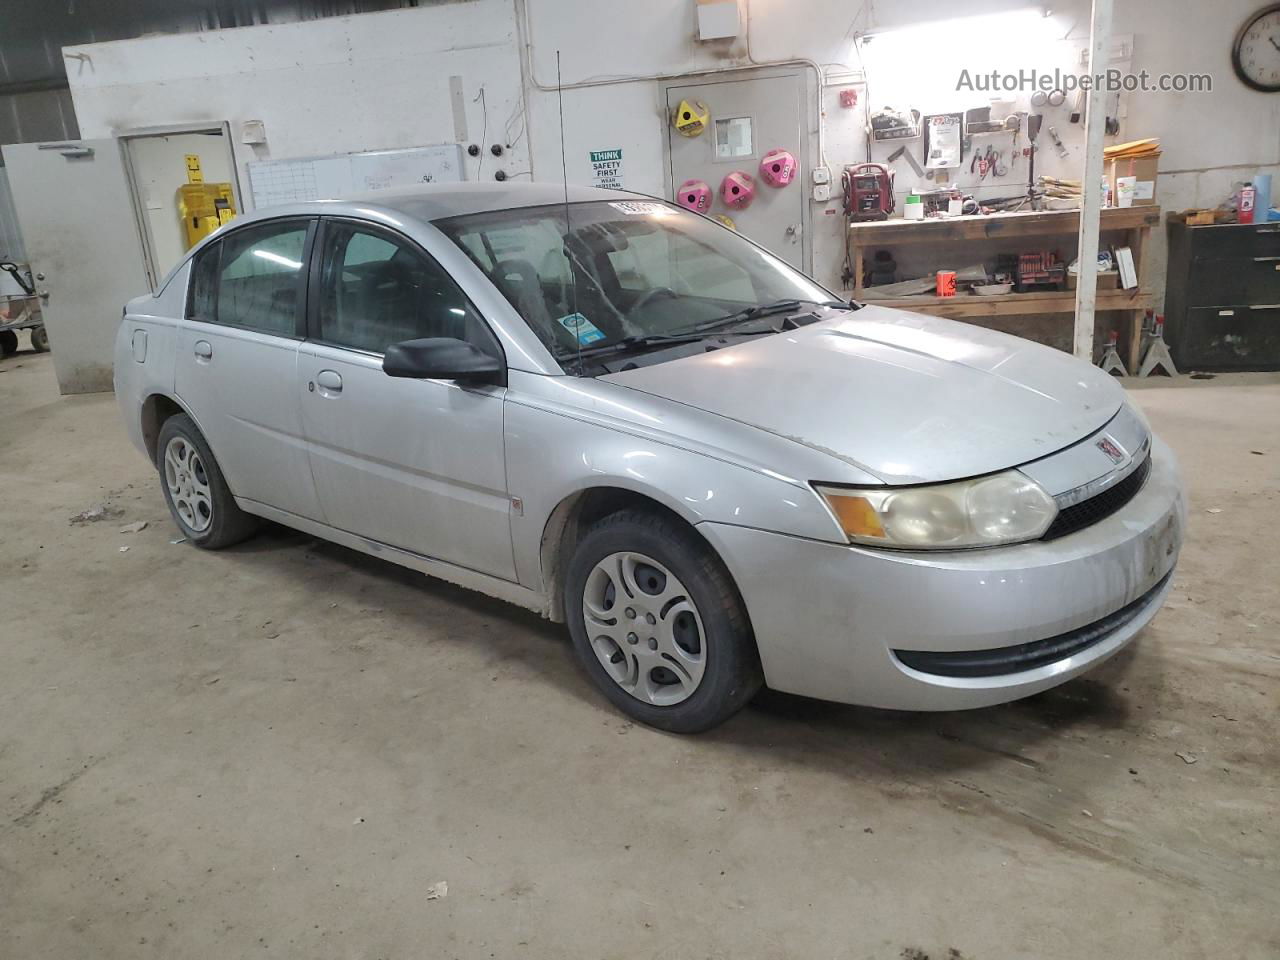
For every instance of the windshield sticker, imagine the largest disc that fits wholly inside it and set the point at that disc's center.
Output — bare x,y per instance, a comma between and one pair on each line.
582,328
639,208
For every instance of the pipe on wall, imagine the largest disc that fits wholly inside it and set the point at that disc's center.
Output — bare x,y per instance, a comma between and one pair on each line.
526,48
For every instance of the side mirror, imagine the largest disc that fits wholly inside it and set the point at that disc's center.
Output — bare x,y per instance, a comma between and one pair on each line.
442,358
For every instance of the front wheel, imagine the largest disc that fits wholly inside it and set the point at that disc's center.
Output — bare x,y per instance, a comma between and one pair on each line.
39,339
658,624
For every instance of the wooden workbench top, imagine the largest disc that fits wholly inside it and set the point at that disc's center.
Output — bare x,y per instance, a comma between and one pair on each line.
1028,223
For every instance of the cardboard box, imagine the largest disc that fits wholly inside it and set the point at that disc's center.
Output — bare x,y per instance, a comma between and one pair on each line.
1107,280
1143,168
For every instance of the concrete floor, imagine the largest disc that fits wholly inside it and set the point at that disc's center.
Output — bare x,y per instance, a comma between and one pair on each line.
279,749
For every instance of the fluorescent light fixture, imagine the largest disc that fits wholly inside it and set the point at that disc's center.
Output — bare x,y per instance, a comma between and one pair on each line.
277,258
1022,23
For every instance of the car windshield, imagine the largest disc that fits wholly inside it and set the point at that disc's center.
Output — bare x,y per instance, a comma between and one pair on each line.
626,275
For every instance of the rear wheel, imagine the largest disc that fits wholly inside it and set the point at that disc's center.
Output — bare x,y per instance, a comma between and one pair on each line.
658,623
8,343
39,339
195,490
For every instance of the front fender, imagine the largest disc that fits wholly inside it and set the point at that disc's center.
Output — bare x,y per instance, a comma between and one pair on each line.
555,452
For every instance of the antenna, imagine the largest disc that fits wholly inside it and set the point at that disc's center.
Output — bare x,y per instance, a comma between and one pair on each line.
564,173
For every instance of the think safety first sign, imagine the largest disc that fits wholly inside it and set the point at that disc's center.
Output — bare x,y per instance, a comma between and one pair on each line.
606,169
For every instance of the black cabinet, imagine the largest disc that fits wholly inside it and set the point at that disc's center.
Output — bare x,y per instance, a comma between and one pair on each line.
1222,296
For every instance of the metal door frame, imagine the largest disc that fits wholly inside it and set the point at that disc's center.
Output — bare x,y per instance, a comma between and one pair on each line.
221,127
810,144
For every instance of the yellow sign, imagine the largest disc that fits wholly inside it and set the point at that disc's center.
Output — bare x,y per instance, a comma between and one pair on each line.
194,173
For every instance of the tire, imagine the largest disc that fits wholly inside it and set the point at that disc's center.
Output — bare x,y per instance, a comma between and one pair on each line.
195,489
700,665
8,343
39,339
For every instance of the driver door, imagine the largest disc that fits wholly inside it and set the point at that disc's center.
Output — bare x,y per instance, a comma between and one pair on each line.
417,464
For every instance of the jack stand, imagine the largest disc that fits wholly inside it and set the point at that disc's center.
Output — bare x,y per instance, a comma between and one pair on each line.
1157,354
1111,362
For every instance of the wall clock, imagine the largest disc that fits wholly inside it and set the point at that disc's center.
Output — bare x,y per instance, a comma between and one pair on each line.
1256,53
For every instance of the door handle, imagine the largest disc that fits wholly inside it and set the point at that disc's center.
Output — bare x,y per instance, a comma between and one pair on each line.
329,380
204,350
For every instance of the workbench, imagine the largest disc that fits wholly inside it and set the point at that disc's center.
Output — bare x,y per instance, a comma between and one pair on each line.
1120,226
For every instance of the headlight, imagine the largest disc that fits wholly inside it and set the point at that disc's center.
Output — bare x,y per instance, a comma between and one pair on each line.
1002,508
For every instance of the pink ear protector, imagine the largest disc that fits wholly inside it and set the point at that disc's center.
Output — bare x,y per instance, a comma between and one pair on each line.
778,168
738,190
695,195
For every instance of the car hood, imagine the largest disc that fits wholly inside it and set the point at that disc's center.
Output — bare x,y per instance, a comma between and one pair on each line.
906,397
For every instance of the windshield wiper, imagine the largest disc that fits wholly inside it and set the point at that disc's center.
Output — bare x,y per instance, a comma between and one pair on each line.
764,310
640,342
635,342
698,332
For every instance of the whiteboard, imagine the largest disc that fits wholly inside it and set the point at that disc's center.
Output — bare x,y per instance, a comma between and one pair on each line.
321,178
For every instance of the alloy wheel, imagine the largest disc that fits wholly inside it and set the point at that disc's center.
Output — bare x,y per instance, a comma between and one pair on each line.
644,628
184,473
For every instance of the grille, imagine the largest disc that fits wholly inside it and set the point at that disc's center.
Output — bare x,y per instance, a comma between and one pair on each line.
1026,656
1099,507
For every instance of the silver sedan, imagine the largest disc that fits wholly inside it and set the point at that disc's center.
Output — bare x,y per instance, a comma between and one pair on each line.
629,418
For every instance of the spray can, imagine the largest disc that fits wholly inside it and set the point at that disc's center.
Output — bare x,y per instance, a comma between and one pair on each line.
1247,198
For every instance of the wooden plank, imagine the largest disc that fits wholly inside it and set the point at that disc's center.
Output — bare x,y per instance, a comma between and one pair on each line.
1090,224
1015,304
1133,333
994,226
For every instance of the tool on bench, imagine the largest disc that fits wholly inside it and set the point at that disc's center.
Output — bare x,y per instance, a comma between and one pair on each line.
868,191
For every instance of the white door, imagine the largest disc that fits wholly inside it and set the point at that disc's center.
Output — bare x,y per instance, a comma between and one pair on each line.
749,118
417,464
78,224
236,367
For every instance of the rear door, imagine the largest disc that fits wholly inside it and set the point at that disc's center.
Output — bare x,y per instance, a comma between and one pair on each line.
417,464
237,360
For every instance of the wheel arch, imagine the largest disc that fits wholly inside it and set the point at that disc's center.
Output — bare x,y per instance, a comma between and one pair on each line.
574,515
156,409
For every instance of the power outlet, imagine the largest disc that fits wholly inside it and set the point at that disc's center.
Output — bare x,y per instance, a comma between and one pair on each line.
821,175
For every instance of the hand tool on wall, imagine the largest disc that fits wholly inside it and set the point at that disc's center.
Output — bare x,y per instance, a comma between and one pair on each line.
996,168
1033,130
903,152
1077,107
1057,142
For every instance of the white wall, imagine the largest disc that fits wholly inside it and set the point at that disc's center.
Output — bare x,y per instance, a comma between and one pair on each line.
381,80
368,82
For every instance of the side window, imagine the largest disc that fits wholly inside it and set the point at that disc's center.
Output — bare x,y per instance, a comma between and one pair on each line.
261,276
376,291
204,280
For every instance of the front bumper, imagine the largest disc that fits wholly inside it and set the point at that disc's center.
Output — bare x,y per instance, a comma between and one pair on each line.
828,617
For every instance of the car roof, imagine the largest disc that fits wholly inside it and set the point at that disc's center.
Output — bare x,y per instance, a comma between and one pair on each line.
438,201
